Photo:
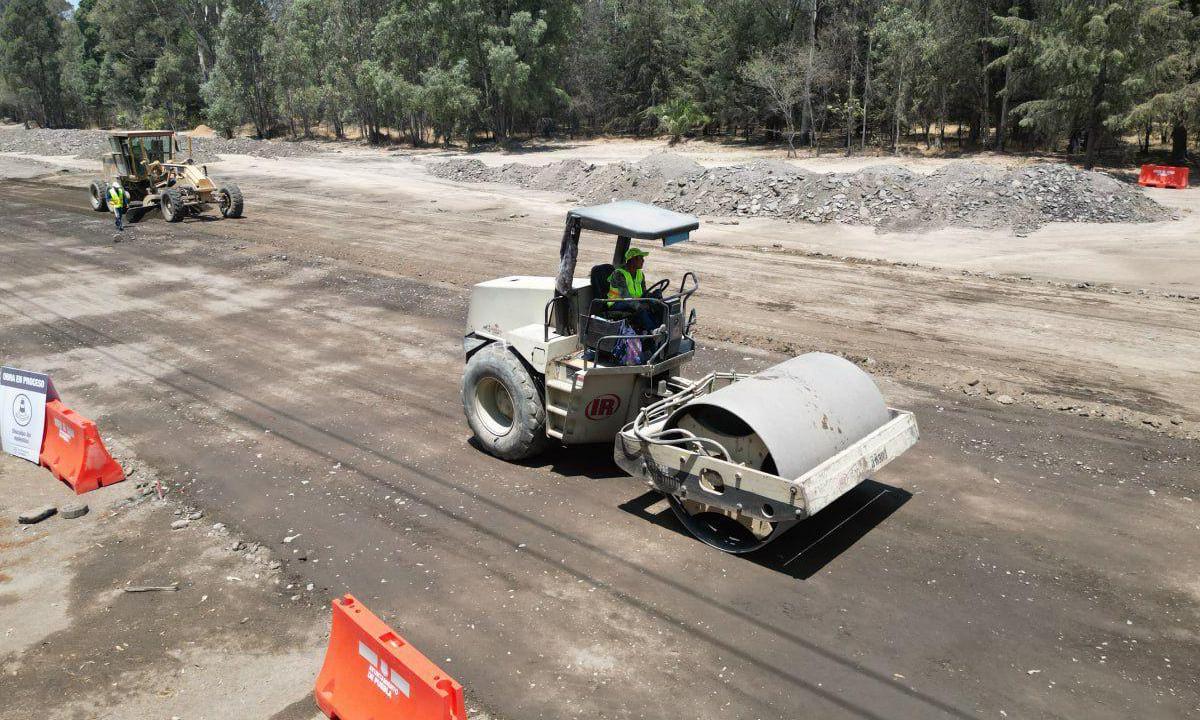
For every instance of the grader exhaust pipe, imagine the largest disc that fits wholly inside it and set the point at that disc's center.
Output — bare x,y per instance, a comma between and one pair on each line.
741,460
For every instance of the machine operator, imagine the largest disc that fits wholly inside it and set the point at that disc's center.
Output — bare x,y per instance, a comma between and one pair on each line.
628,283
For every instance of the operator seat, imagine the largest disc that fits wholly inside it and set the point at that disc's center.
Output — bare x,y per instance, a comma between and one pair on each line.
599,320
599,279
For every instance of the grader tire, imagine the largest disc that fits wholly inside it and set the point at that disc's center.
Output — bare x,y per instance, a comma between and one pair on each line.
99,196
172,205
503,404
231,206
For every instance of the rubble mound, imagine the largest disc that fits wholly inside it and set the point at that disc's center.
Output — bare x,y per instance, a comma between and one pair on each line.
890,197
91,144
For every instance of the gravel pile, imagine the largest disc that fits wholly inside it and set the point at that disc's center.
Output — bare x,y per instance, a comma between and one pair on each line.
965,194
91,144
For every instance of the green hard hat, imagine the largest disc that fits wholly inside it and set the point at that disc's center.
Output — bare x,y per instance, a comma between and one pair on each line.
633,252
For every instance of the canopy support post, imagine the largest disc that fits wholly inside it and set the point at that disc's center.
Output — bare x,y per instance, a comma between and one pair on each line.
568,254
619,253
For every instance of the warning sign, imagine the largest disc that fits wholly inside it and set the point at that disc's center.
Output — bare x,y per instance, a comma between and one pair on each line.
22,412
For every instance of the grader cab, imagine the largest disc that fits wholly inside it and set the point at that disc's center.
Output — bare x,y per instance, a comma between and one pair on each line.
152,168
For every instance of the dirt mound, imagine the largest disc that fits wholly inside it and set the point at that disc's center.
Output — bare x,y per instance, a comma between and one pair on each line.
964,193
203,130
91,144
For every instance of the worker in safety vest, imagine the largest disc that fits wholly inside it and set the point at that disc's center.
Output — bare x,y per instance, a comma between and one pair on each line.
626,283
118,202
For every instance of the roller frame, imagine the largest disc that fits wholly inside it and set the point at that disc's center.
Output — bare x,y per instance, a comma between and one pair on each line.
675,470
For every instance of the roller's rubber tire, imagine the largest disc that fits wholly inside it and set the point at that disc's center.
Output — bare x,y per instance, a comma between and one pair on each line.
232,207
172,206
99,195
512,429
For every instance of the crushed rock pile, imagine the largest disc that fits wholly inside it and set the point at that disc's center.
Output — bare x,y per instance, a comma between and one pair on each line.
91,144
963,193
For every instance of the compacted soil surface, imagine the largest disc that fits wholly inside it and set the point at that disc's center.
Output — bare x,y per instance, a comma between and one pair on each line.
294,377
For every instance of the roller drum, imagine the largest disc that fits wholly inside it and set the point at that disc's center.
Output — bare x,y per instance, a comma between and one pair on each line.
791,417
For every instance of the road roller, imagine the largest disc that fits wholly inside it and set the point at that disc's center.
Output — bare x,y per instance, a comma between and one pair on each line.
740,458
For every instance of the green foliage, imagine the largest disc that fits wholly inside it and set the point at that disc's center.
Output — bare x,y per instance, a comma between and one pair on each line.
779,75
1034,72
678,117
171,88
1165,78
240,86
30,40
223,111
1101,57
448,98
155,119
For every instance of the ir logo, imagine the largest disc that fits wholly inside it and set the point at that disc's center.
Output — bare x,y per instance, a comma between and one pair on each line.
602,406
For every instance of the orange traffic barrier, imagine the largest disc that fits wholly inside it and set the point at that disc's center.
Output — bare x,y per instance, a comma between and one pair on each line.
73,451
371,673
1163,176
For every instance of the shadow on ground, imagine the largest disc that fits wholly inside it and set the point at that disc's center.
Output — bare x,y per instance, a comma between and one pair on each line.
812,544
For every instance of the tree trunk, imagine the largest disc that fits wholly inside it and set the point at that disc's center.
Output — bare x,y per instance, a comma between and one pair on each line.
896,112
985,121
1146,139
1179,153
942,118
1002,125
866,92
806,120
985,109
850,101
203,62
1093,127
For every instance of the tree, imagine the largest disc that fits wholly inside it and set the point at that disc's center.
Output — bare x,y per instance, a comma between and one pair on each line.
30,36
1167,76
678,117
806,113
239,86
648,59
780,76
449,99
520,76
308,55
902,34
81,63
172,88
1087,71
1085,52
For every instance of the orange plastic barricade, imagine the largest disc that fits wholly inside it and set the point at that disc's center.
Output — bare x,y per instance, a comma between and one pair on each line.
371,673
1163,176
73,451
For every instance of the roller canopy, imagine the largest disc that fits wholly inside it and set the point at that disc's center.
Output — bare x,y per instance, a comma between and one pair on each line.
632,219
626,219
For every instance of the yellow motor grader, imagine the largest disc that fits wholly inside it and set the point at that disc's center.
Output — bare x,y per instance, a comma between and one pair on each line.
149,166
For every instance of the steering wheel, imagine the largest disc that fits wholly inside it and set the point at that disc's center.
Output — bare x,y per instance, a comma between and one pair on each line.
656,290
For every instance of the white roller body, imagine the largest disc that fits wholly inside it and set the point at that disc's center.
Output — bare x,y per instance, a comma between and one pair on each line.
803,412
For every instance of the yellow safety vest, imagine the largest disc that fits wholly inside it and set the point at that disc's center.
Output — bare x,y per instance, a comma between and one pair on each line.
633,282
117,198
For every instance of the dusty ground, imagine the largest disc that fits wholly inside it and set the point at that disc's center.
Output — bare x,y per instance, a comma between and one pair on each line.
75,645
297,372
